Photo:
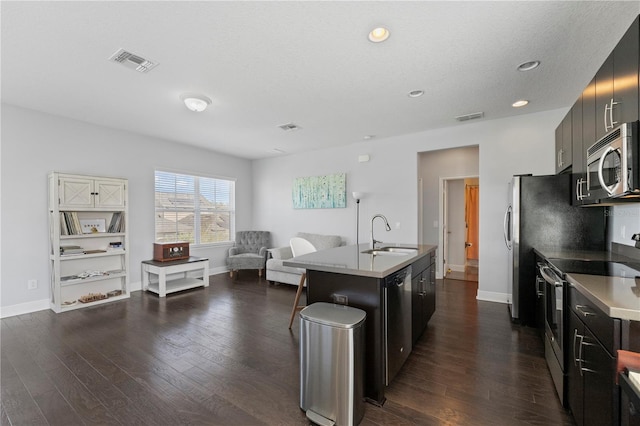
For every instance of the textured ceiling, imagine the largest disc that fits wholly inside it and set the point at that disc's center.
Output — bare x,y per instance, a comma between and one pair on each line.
268,63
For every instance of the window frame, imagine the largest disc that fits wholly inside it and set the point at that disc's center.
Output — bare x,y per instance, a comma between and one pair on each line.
197,210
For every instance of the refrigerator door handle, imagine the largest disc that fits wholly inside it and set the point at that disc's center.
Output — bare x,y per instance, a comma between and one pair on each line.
507,225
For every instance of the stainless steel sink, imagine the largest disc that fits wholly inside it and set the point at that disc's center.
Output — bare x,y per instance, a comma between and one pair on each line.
392,251
407,250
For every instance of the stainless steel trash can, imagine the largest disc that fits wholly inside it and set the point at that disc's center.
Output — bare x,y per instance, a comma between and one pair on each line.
332,364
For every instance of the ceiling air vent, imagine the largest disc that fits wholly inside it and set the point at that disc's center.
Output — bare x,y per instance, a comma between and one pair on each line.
133,61
289,127
470,116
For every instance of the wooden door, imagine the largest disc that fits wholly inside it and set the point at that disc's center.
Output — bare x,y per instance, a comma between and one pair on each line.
471,218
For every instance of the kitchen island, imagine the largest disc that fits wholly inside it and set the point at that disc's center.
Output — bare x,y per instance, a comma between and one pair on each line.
395,286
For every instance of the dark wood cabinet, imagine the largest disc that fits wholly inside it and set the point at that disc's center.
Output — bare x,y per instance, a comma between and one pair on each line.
579,188
626,60
564,144
611,98
617,84
593,340
423,294
575,380
589,116
604,96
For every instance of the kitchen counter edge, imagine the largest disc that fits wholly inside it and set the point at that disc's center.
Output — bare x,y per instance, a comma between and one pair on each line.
321,261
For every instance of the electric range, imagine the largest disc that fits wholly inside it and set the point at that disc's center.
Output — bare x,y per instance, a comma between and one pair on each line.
596,267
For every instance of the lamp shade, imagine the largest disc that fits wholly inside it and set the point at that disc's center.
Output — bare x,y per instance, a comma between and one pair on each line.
357,195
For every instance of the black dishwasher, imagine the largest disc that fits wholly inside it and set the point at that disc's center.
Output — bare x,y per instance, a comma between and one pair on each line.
397,321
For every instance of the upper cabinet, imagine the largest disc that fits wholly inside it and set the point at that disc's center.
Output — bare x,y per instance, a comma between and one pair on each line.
85,193
588,118
564,144
611,99
617,84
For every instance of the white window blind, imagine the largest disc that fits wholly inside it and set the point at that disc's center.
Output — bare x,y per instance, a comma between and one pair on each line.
197,209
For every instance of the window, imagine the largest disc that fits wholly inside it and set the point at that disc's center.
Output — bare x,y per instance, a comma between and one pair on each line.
197,209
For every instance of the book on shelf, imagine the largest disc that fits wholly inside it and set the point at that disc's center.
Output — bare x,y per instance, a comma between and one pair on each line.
71,250
70,224
117,223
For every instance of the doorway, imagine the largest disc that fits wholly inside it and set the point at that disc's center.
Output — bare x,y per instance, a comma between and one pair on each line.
460,224
434,167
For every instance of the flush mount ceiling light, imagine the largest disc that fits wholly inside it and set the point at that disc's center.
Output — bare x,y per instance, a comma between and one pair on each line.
528,66
416,93
379,34
195,103
520,103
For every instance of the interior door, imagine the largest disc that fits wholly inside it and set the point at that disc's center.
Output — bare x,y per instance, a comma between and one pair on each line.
471,219
445,230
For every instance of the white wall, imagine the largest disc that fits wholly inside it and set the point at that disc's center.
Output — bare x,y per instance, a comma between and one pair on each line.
624,221
432,167
34,144
456,225
444,163
522,144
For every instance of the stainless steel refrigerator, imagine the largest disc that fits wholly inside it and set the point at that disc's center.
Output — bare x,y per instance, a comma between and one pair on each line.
540,215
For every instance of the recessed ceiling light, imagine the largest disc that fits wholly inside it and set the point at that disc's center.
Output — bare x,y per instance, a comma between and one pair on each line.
416,93
195,103
528,66
368,137
520,103
379,34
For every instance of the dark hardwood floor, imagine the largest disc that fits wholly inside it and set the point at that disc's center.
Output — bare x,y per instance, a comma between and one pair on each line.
224,356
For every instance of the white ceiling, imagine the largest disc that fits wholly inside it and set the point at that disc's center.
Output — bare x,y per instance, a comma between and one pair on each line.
269,63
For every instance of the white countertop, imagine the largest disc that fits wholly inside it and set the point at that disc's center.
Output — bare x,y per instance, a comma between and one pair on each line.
349,260
617,297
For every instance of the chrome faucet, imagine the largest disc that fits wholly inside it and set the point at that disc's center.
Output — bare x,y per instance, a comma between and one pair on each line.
386,224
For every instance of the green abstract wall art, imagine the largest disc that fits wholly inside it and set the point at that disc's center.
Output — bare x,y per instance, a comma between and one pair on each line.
320,192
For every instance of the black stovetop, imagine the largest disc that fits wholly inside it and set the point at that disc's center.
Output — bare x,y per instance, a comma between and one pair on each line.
597,267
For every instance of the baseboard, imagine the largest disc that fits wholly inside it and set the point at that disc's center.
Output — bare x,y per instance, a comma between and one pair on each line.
24,308
456,268
41,305
490,296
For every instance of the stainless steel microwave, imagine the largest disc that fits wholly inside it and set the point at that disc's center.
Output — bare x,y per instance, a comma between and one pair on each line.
613,164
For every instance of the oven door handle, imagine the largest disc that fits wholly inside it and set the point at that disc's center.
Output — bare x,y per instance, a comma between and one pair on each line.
610,190
548,278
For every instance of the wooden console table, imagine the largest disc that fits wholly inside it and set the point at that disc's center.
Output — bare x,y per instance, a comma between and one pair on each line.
164,270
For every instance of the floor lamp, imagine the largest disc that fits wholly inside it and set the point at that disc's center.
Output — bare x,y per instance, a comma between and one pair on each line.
357,196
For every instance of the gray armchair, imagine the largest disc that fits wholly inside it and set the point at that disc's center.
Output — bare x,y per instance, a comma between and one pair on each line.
249,251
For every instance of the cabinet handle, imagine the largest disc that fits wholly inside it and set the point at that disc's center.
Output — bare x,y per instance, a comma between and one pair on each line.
610,109
573,347
581,309
579,359
613,123
580,189
539,290
560,162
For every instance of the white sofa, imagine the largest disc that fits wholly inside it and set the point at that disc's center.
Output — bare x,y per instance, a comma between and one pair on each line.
278,273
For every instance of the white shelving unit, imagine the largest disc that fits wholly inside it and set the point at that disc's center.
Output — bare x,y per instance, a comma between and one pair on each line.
87,220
